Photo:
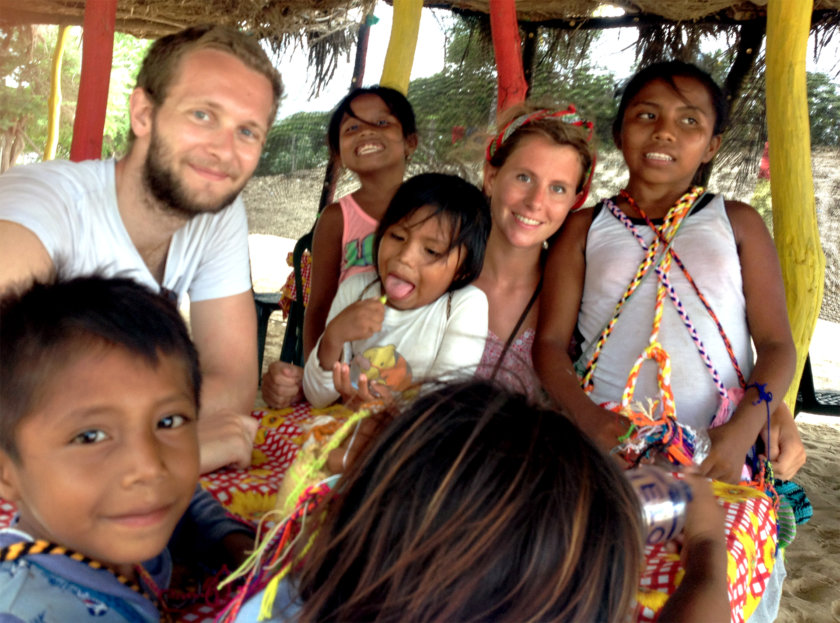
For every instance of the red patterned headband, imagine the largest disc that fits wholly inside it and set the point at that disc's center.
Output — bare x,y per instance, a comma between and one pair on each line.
572,118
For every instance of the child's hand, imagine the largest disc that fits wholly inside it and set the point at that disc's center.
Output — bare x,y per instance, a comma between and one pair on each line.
354,397
704,519
358,321
603,427
281,384
728,453
357,442
226,437
785,448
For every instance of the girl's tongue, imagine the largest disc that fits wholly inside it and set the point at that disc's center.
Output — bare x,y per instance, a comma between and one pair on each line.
397,288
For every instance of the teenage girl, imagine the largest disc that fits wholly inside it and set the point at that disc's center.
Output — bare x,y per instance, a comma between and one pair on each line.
415,317
721,279
474,504
537,169
373,134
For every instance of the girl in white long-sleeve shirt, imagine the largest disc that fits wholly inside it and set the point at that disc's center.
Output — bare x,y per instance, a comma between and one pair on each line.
417,317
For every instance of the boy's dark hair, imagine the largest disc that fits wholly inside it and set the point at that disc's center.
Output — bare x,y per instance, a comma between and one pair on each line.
454,199
476,505
43,328
396,102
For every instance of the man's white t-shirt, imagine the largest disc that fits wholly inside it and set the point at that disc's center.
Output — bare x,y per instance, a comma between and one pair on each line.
72,208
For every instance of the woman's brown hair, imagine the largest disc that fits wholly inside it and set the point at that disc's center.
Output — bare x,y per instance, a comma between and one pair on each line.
472,505
558,128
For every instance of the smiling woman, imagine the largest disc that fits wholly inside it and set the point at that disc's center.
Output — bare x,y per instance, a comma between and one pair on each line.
538,169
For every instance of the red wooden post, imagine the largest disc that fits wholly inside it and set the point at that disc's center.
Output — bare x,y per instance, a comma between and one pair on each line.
507,47
97,54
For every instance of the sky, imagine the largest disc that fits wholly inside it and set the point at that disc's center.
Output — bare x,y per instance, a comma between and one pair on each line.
428,60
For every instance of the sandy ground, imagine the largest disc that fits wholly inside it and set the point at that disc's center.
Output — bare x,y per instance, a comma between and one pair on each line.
811,593
282,209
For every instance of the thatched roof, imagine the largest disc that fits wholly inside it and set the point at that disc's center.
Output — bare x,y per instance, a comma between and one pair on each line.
671,10
313,19
153,18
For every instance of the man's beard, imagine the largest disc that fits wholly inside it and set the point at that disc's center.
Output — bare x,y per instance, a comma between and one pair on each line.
160,180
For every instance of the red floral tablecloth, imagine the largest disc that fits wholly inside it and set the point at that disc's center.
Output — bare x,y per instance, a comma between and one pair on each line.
750,518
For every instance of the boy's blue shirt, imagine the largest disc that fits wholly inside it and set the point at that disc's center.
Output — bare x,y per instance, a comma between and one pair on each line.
52,588
49,588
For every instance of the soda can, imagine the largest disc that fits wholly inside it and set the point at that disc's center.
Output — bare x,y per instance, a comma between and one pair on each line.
664,500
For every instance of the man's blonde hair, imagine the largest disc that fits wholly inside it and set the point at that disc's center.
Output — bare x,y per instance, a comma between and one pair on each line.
164,57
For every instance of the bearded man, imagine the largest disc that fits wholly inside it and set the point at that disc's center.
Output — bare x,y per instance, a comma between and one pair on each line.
167,214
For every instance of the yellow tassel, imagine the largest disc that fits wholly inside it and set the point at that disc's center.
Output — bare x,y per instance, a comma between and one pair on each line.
332,444
268,598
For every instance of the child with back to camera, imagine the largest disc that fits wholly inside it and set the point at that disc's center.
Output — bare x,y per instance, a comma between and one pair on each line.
373,133
667,267
475,504
99,451
416,317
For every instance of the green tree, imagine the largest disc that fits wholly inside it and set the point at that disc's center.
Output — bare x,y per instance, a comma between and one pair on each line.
297,142
589,90
458,103
25,68
129,53
824,110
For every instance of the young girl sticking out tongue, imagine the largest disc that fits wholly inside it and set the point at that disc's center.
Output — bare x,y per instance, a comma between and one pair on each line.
416,317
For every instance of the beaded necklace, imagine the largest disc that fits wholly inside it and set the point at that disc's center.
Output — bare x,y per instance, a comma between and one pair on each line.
22,549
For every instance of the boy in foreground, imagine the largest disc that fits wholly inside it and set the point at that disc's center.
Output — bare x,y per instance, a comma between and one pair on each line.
99,388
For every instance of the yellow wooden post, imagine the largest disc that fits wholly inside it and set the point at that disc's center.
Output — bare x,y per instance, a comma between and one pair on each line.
400,55
792,187
54,113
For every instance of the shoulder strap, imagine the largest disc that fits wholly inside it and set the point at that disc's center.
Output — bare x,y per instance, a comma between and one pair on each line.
516,328
585,365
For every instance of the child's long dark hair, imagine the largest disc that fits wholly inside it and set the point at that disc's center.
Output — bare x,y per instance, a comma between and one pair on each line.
667,71
476,505
454,199
396,102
